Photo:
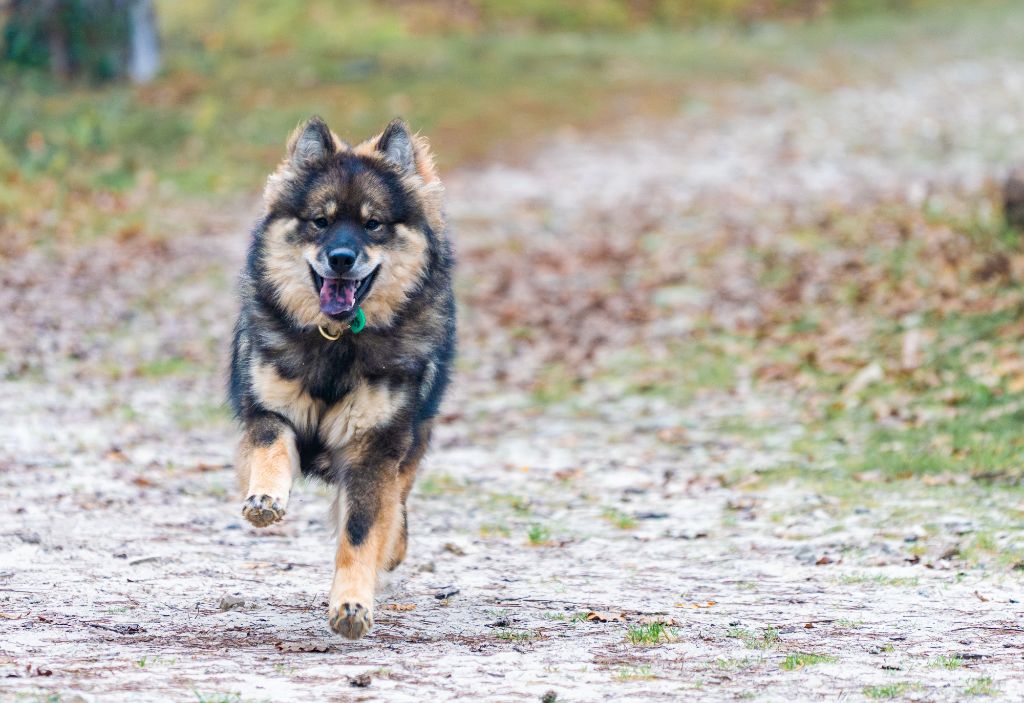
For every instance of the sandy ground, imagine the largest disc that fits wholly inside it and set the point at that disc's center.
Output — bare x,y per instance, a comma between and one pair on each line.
121,533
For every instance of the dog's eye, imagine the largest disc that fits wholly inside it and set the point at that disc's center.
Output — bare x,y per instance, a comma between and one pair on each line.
320,222
372,225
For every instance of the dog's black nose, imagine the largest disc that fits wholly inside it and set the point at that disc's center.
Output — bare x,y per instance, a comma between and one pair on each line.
341,259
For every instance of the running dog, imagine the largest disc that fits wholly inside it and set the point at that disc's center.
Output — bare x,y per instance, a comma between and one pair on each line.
344,344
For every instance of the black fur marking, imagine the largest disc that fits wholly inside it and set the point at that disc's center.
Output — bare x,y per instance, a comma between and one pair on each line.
264,430
358,527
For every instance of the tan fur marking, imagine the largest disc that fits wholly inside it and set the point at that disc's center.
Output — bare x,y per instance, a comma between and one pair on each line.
269,470
288,273
362,409
286,397
402,266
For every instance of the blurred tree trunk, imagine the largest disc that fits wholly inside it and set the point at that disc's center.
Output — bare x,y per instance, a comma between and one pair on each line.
95,39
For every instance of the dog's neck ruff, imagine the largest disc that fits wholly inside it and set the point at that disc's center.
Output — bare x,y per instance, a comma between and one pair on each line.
357,325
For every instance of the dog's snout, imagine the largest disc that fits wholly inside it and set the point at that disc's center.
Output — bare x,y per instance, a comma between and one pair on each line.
341,259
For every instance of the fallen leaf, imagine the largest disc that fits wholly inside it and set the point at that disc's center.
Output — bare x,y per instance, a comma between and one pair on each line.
742,503
302,647
400,607
455,549
946,479
569,474
700,604
115,454
672,435
605,616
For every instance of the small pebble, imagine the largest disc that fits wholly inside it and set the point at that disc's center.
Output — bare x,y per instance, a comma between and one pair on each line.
231,602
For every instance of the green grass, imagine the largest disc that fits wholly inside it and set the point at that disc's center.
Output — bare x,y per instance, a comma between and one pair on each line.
887,691
764,640
635,673
435,485
879,579
981,686
954,412
650,634
495,529
947,661
846,622
167,366
217,697
735,664
619,519
799,660
515,635
538,535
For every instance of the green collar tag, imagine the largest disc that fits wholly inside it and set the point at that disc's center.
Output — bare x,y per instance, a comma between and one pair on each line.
359,322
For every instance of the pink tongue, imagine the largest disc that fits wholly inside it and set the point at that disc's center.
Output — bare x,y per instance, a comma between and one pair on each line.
337,295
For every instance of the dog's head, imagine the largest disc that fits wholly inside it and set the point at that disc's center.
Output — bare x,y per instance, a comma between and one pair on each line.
349,227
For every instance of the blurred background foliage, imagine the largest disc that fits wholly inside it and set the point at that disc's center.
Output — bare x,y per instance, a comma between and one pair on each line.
83,159
80,157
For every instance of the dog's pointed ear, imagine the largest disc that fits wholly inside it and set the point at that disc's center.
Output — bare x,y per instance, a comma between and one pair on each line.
397,146
310,144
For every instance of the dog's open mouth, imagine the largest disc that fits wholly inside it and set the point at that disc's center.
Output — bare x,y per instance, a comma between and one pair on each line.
339,297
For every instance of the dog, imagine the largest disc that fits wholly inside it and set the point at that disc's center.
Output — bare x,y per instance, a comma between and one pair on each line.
344,344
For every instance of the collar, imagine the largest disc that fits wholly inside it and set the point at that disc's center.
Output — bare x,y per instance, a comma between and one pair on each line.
356,326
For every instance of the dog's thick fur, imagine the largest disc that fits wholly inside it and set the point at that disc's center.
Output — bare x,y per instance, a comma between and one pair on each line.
355,412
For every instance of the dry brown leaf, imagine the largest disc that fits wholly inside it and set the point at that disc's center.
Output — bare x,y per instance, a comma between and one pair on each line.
303,647
400,607
699,604
569,474
672,435
946,479
605,616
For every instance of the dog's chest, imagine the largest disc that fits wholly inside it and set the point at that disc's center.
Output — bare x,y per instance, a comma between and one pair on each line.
362,407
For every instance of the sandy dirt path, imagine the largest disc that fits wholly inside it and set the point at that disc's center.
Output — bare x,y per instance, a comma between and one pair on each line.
120,534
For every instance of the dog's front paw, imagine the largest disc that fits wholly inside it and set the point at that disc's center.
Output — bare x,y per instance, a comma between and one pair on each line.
351,620
263,510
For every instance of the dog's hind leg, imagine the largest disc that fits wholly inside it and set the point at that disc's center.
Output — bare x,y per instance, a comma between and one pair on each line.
268,462
406,477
